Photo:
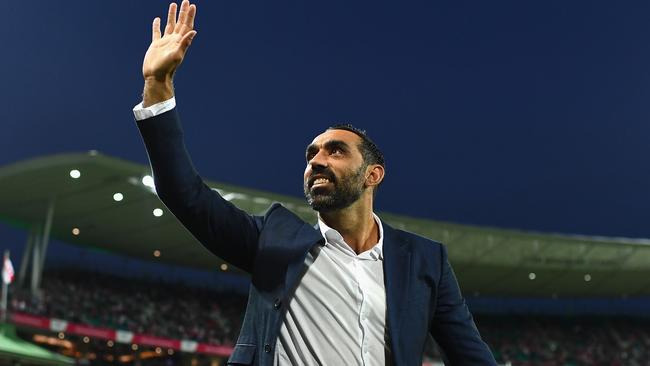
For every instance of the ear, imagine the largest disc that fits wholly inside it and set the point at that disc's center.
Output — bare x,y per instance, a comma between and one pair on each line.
374,175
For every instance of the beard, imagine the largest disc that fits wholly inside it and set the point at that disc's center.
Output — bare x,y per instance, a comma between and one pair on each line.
347,190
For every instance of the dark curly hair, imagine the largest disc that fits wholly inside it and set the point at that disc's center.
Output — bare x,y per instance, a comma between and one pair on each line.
369,150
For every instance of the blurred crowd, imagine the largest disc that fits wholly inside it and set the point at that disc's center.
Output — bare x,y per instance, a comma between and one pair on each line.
567,341
141,306
183,312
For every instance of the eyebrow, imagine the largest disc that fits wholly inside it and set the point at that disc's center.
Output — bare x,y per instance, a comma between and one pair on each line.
329,145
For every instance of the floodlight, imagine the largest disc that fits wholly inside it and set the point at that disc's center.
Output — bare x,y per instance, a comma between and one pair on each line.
147,180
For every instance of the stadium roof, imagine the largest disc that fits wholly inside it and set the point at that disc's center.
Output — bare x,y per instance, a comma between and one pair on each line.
488,261
15,351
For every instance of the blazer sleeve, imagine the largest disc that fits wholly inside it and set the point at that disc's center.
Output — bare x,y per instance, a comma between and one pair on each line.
222,228
452,325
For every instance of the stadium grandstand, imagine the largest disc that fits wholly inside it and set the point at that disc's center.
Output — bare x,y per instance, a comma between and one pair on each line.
538,298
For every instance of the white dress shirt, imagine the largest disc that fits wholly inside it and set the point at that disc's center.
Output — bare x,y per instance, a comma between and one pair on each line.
141,112
337,314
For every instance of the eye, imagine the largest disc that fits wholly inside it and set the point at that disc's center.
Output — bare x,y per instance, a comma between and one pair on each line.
336,151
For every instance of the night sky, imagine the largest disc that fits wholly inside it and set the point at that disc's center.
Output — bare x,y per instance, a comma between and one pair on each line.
514,114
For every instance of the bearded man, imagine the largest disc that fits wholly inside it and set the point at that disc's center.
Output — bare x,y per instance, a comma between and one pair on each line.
351,291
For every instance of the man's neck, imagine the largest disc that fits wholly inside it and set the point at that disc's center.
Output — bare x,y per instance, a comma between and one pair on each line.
356,224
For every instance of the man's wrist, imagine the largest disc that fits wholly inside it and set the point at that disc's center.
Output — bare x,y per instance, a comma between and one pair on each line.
156,91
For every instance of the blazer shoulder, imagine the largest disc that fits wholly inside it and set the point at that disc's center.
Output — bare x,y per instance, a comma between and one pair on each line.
280,222
417,241
277,211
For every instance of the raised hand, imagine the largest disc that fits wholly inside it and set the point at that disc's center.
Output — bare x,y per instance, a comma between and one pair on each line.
166,52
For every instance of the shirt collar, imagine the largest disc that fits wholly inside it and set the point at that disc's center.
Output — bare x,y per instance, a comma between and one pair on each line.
333,237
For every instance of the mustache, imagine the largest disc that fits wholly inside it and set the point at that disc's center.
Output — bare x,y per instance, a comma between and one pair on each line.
323,173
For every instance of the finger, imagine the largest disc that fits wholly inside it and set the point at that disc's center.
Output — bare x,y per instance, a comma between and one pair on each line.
190,16
182,14
155,29
186,40
171,19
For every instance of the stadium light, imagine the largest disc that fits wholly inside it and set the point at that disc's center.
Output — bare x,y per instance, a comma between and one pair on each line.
134,347
86,340
125,358
109,343
147,180
170,351
76,231
224,267
117,197
587,277
38,338
158,350
156,253
74,173
157,212
532,276
61,335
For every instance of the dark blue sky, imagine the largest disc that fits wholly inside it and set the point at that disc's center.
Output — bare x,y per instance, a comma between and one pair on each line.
516,114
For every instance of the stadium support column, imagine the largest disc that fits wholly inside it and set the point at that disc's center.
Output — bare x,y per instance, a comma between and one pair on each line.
27,252
36,250
40,247
46,232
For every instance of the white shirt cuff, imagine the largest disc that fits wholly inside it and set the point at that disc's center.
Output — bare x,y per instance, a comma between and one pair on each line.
141,113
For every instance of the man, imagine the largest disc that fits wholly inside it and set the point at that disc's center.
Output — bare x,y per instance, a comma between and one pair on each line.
352,291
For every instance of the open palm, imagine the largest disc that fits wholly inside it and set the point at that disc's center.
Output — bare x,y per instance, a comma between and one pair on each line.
167,50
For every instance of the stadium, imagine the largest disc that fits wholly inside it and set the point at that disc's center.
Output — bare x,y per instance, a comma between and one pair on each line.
510,141
154,296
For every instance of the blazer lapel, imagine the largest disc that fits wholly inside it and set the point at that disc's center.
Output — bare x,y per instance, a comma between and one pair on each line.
305,239
397,269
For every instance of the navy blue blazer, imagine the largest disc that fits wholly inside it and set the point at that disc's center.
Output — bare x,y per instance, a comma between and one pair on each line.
422,294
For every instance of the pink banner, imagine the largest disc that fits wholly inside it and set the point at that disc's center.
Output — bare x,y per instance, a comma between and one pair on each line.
87,330
157,341
30,320
214,350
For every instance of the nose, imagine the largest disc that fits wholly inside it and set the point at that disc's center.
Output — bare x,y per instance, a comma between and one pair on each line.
319,161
